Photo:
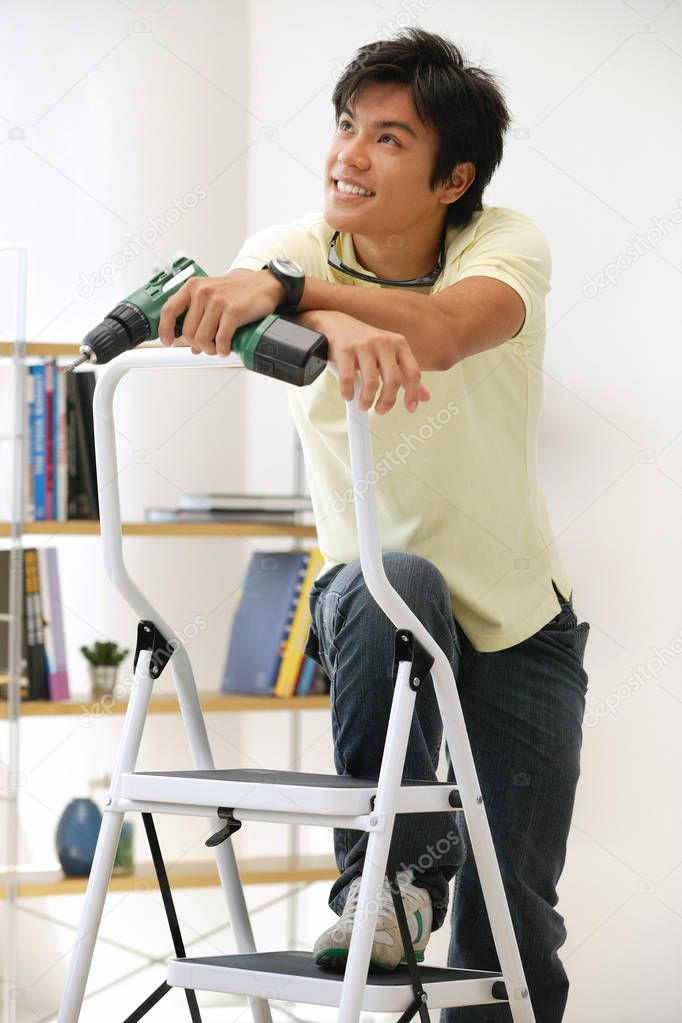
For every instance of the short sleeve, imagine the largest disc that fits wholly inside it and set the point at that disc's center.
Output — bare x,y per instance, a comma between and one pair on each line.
285,241
511,248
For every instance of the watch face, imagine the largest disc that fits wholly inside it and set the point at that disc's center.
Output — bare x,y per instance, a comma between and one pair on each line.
287,266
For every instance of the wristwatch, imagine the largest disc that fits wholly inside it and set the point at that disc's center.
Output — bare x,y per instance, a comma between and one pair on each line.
292,277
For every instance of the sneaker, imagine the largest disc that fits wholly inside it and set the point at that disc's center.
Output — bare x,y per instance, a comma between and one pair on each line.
331,948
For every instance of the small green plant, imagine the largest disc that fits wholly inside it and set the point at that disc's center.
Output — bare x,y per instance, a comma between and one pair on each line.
104,654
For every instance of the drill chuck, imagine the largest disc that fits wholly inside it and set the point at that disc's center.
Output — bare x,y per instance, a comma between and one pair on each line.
124,327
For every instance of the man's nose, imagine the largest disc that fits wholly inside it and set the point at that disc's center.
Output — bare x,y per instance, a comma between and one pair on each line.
354,152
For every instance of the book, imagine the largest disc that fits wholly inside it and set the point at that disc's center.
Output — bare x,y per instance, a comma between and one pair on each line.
270,503
33,628
49,438
38,440
86,383
298,634
265,604
29,405
5,556
182,515
82,489
61,447
305,677
55,647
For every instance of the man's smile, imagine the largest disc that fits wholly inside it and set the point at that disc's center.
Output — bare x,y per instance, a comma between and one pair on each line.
348,188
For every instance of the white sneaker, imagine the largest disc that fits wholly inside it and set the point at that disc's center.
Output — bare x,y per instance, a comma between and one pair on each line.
331,948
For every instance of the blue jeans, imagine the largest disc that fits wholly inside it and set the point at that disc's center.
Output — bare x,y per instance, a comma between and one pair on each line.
523,708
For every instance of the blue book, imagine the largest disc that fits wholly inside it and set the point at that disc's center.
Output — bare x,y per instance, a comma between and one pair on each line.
38,440
266,603
306,676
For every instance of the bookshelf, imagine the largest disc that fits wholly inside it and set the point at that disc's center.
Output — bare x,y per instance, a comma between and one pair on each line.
286,869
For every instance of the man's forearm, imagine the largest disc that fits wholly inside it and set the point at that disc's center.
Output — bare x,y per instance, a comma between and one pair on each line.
422,325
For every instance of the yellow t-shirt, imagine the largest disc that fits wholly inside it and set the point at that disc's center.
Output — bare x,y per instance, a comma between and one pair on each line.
457,478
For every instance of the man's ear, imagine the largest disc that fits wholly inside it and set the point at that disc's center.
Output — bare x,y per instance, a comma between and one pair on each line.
461,178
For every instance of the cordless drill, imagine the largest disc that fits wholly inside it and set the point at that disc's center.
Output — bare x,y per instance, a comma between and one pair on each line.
275,345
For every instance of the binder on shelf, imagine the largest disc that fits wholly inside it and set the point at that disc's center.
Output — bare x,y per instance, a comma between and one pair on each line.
266,602
292,661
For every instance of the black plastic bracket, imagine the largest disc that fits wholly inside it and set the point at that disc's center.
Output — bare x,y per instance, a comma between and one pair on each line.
407,648
149,638
231,825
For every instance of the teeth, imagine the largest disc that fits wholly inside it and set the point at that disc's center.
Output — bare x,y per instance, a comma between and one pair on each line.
352,189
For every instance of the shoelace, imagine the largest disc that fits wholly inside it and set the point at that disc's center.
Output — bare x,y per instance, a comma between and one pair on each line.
386,908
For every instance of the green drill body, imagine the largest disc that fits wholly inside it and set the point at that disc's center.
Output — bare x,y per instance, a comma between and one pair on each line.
275,346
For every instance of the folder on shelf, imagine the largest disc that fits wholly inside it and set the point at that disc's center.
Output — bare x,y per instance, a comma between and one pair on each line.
266,604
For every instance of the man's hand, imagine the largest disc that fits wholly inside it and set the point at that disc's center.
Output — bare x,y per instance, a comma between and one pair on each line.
216,307
381,357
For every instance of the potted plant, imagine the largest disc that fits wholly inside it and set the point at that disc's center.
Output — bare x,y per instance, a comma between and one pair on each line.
104,659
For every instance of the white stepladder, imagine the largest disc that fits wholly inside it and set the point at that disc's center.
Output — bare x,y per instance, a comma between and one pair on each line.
229,797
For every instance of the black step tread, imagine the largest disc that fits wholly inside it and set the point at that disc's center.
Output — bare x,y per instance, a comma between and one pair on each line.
256,775
302,964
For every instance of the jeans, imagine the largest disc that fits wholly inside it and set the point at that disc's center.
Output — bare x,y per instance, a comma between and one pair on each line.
523,708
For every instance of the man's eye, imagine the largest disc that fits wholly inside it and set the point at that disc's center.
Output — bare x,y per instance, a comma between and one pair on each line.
347,124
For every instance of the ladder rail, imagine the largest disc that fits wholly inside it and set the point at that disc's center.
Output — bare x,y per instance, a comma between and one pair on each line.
392,604
190,708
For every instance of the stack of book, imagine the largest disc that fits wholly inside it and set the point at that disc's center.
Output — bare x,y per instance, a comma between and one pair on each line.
43,656
270,509
60,479
270,627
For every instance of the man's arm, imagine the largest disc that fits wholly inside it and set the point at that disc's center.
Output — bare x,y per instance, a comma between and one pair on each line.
468,317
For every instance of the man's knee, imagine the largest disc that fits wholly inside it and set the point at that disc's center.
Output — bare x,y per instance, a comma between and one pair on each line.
420,584
415,578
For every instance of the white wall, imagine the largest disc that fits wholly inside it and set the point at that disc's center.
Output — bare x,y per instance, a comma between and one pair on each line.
593,157
121,133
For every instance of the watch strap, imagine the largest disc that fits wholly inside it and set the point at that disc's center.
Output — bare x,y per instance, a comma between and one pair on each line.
293,287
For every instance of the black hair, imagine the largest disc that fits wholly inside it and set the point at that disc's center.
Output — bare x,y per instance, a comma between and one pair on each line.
463,104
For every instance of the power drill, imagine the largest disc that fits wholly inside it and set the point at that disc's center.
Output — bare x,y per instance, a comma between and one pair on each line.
275,345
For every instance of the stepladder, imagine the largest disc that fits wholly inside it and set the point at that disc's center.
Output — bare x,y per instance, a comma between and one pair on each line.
227,798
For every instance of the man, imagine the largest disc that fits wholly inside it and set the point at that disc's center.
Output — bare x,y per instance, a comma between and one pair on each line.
418,286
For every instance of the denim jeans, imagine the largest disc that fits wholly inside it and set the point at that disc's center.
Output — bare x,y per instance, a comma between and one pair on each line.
523,708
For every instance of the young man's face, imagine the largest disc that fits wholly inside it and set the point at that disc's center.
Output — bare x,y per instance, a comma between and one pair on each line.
390,161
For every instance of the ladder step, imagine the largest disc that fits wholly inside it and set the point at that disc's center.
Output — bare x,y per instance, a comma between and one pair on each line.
294,976
291,792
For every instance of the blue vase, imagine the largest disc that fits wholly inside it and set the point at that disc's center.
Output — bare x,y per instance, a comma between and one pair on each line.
77,834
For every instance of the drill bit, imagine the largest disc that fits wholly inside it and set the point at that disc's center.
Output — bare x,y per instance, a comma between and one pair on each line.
82,358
